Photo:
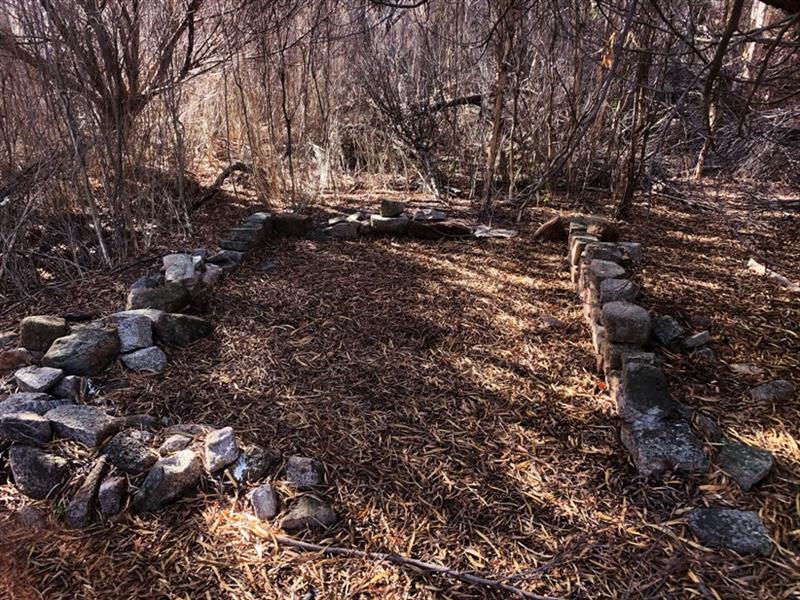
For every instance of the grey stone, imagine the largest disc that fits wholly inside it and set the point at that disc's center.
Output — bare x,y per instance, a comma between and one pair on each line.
309,513
599,271
577,244
85,352
167,480
697,340
70,387
135,331
35,471
152,314
174,443
348,230
291,224
615,356
190,429
617,290
211,274
633,252
389,225
657,447
111,496
227,260
304,473
746,465
666,330
644,394
392,208
151,292
80,510
179,270
253,464
747,369
249,233
774,391
260,218
264,502
37,379
626,323
235,245
30,518
30,402
150,359
39,331
129,453
85,424
181,330
220,449
25,428
738,530
604,251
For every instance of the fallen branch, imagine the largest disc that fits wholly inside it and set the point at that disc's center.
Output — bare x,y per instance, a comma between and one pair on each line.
760,269
409,562
215,187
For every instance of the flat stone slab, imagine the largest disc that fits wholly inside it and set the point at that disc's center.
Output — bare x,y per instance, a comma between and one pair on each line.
39,331
309,513
626,323
746,465
264,501
35,471
37,379
304,473
604,251
615,356
664,446
25,428
220,449
644,394
30,402
86,352
697,340
774,391
85,424
151,360
346,230
739,530
168,480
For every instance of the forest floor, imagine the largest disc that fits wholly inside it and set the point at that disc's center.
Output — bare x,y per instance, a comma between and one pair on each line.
449,388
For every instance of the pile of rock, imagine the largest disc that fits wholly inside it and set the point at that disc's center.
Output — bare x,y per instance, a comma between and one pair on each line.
656,428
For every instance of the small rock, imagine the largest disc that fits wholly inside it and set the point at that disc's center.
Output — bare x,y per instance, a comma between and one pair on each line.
80,510
167,480
15,358
37,379
253,464
129,453
604,251
111,496
264,502
389,225
235,245
746,369
605,230
174,443
152,292
25,428
85,352
615,356
70,387
38,332
30,518
220,449
152,360
392,208
737,530
633,252
260,218
181,330
29,402
85,424
626,323
697,340
774,391
35,471
135,331
746,465
709,428
662,446
179,270
549,322
666,330
577,244
309,513
304,473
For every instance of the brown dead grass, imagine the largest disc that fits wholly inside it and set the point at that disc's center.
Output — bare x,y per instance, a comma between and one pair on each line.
455,424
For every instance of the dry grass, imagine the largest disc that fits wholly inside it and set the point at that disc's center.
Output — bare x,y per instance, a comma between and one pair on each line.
457,426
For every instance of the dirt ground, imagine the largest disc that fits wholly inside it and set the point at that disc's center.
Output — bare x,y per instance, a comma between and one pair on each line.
458,423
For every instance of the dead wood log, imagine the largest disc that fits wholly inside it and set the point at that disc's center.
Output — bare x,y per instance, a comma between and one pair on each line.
213,190
762,270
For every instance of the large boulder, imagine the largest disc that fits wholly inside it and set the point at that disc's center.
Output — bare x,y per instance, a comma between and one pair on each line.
309,513
181,330
36,473
152,292
80,510
37,379
129,451
85,424
39,331
167,480
738,530
86,352
25,428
